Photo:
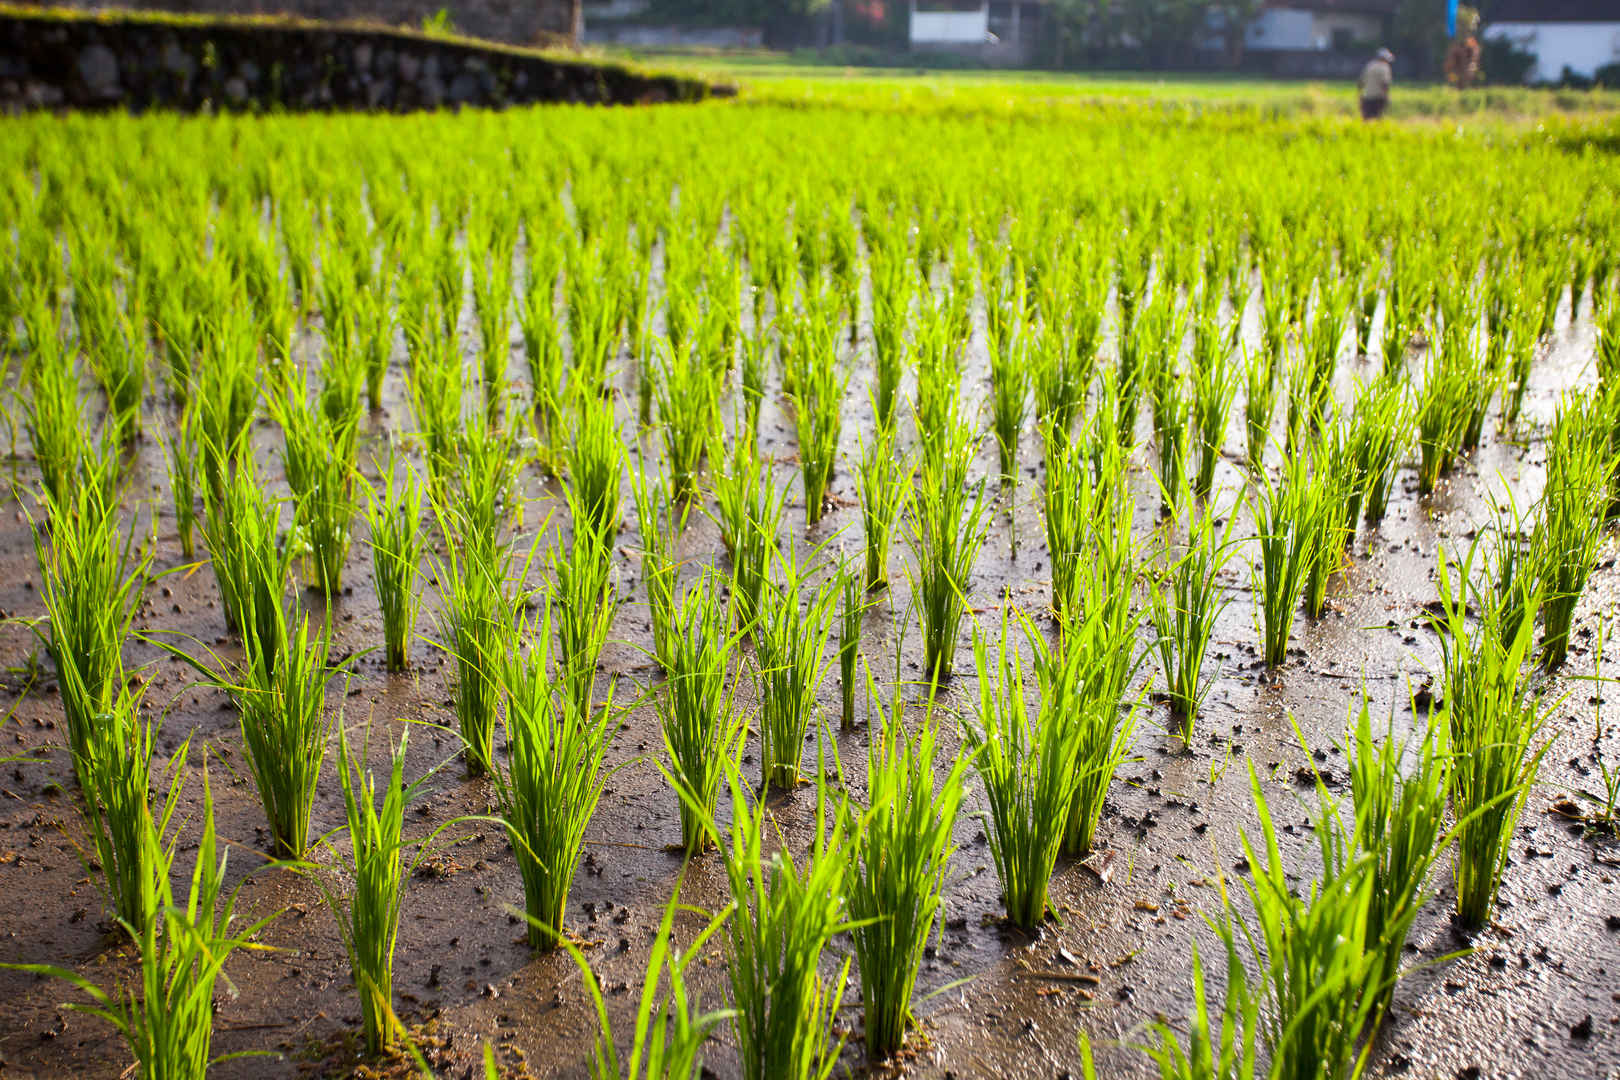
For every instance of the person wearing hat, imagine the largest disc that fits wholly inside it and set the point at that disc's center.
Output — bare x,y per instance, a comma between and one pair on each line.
1374,84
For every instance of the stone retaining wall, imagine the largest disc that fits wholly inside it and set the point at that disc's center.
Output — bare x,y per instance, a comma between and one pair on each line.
139,61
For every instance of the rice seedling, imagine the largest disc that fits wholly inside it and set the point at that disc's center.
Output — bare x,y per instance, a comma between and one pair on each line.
368,916
228,391
897,866
1184,611
585,601
852,609
1333,491
880,479
1285,513
596,465
1061,370
1009,397
783,913
669,1033
91,583
251,568
1579,461
1326,335
553,779
703,727
543,352
790,642
1259,403
944,530
1379,435
475,624
1315,967
658,566
1491,722
1215,1050
1214,388
54,420
281,706
480,496
1399,824
114,766
435,382
180,452
394,520
318,455
1028,769
751,383
169,1025
492,300
816,402
688,411
1366,309
1170,429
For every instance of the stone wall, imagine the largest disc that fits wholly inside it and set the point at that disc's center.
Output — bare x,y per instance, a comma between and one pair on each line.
512,22
138,61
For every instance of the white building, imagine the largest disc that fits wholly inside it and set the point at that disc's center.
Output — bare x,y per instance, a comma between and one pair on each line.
950,22
1320,25
1581,35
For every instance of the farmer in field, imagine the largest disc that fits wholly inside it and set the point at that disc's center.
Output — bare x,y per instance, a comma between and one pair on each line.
1374,84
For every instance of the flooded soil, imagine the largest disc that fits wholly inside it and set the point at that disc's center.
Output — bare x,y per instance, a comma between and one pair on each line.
1536,994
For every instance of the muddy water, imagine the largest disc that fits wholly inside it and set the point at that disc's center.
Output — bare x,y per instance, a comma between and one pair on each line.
1516,1006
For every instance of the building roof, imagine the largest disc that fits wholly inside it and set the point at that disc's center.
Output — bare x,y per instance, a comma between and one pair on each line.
1544,11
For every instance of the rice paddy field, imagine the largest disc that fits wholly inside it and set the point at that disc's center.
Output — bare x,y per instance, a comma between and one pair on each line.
778,588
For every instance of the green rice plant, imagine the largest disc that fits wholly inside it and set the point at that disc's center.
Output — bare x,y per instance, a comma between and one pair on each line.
596,465
241,528
1029,771
1579,461
944,529
816,401
892,289
880,478
1215,1050
169,1025
114,766
1215,386
667,1041
436,383
783,913
281,706
1170,430
480,496
1009,397
658,566
475,626
394,520
1259,403
1069,500
703,727
688,411
1086,672
180,452
584,603
1317,974
54,420
543,353
1274,318
1491,719
1332,493
1400,808
368,915
492,300
1442,417
1366,309
938,403
116,351
852,609
751,384
1060,372
1285,513
1380,432
1326,335
1606,344
1184,605
228,389
319,457
374,330
91,584
790,644
897,866
553,779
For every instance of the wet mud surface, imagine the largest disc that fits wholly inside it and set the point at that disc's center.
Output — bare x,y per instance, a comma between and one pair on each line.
1538,995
